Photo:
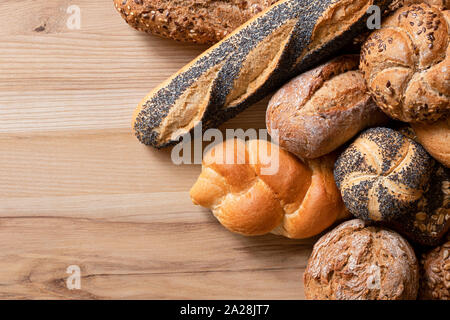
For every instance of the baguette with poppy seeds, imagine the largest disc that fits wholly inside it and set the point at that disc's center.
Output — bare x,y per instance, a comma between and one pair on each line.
279,43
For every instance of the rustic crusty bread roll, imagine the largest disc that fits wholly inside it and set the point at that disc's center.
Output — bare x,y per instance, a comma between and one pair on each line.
356,261
298,200
199,21
435,274
443,4
386,177
406,64
435,138
321,109
286,39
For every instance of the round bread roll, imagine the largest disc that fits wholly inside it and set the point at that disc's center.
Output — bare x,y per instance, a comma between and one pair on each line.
435,274
386,177
406,63
253,194
382,174
320,110
356,261
435,138
443,4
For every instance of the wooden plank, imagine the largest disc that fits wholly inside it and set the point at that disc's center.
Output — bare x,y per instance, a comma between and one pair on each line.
76,188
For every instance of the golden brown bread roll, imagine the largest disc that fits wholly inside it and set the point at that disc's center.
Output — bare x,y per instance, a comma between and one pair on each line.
435,273
356,261
323,108
386,177
444,4
199,21
435,138
406,64
298,200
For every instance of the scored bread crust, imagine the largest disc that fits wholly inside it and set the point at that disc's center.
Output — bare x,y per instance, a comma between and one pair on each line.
357,261
406,64
286,39
299,200
323,108
198,21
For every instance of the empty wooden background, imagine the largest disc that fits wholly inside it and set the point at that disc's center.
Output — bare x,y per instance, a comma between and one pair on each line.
77,188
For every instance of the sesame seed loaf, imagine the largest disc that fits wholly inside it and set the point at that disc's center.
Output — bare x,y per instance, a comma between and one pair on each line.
386,177
286,39
358,261
199,21
406,64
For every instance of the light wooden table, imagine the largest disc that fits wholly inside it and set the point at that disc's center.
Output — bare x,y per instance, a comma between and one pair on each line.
77,188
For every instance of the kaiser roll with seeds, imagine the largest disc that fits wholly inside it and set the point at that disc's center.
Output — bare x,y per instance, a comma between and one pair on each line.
199,21
435,274
386,177
406,64
357,261
443,4
254,194
321,109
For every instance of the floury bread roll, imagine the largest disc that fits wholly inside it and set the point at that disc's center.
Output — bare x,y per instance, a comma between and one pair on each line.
262,189
388,178
281,42
323,108
357,261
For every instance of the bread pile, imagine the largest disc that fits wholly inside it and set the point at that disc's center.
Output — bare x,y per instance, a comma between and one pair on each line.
364,136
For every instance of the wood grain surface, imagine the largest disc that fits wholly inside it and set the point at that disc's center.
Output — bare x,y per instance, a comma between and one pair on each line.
77,188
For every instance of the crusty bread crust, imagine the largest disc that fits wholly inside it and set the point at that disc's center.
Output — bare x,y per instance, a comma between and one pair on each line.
406,64
298,201
443,4
357,261
435,138
198,21
321,109
435,273
286,39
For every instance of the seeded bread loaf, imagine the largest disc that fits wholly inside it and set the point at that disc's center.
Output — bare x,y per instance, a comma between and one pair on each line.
443,4
199,21
435,274
388,178
255,187
323,108
357,261
406,64
286,39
